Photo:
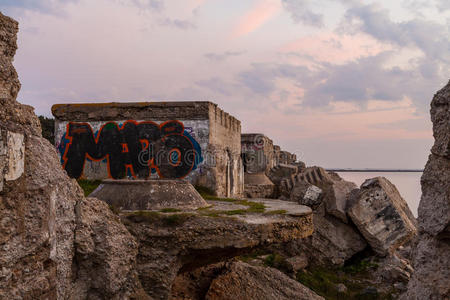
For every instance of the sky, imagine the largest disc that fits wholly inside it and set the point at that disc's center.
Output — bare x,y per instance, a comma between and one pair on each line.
343,84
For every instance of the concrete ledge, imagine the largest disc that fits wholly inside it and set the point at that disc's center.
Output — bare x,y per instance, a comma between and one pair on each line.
149,194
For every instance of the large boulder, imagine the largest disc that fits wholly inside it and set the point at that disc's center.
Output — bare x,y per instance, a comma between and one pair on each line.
39,242
37,199
105,253
333,242
242,281
431,256
382,216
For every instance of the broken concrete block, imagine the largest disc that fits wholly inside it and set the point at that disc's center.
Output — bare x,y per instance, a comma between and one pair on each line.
307,194
335,189
382,216
280,172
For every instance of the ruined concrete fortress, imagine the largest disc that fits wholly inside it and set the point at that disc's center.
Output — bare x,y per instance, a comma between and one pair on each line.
196,141
285,230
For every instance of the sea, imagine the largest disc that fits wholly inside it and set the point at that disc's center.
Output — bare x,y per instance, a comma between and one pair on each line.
407,183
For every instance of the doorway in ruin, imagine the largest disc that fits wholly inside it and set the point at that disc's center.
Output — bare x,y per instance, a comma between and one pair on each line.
229,174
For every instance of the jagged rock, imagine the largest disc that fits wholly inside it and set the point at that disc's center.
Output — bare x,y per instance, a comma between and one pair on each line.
382,216
297,263
242,281
393,269
307,194
332,243
37,199
431,256
173,243
105,254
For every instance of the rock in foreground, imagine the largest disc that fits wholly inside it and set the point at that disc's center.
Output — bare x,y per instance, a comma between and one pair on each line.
170,243
242,281
431,259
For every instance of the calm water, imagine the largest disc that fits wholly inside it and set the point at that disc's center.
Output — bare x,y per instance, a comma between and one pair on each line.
407,183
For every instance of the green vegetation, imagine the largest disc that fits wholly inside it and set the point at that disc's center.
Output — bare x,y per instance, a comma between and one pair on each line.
276,212
88,186
355,276
207,194
48,128
360,266
155,217
324,281
170,210
277,261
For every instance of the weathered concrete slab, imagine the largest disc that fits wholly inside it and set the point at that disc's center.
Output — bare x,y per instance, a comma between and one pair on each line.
149,194
290,208
382,216
171,243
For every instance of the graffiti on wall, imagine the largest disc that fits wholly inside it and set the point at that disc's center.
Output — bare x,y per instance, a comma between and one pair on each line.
132,149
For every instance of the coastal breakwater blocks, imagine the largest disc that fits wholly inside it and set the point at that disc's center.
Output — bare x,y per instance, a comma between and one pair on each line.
196,141
149,194
382,215
335,189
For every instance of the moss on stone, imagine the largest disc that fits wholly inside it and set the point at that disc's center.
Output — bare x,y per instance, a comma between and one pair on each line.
155,216
88,186
169,210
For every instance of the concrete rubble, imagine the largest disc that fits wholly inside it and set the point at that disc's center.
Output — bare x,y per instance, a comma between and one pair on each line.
382,216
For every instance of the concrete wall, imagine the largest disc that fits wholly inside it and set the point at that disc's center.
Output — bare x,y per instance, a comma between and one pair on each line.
196,141
258,153
225,142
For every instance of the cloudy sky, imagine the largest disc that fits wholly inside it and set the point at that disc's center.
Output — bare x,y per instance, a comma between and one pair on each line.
342,83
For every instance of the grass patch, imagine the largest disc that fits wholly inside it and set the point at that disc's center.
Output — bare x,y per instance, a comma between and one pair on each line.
169,210
276,212
360,266
355,277
207,194
277,261
88,186
157,217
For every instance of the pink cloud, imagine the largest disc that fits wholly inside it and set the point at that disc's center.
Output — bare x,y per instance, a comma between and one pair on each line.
256,17
334,48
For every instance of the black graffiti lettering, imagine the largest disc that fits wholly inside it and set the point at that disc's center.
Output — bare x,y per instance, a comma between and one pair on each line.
139,146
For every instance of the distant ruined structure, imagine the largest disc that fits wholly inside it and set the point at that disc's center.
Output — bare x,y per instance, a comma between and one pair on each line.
196,141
